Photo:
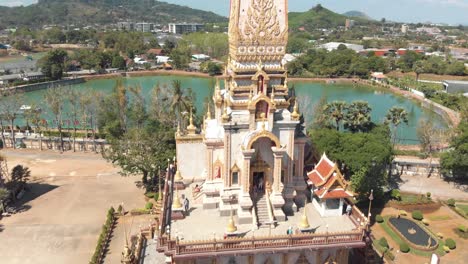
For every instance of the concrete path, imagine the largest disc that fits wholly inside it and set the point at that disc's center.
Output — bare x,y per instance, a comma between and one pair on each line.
436,186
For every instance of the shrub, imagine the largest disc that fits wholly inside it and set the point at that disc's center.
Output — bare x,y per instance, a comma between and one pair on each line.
440,235
383,242
404,247
156,196
149,205
462,228
428,195
389,255
446,249
425,222
119,209
395,194
451,202
450,243
403,213
417,215
379,218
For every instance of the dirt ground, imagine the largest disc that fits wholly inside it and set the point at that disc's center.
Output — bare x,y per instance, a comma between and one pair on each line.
442,221
65,208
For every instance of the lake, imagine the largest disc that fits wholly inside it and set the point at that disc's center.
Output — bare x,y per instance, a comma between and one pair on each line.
380,100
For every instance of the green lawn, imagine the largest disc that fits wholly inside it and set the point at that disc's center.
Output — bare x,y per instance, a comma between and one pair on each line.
463,207
440,251
439,218
413,198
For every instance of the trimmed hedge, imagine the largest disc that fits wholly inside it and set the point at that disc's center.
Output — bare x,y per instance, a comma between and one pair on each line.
395,194
379,219
149,205
462,228
417,215
103,237
450,243
404,247
451,202
383,242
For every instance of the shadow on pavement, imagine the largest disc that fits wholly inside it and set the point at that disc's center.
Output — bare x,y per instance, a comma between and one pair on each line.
33,191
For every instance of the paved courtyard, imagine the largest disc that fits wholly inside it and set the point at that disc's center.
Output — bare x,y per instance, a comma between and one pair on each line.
65,209
206,224
435,185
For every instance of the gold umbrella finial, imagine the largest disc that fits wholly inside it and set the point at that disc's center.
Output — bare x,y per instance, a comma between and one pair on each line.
231,227
304,221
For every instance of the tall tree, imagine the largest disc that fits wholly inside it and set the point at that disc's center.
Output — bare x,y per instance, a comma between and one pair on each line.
336,111
74,96
395,117
10,104
358,117
54,98
34,116
53,64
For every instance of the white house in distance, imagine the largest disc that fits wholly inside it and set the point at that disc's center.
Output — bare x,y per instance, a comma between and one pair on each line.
328,187
334,45
200,57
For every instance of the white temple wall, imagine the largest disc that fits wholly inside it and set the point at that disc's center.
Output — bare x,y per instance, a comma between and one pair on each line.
189,166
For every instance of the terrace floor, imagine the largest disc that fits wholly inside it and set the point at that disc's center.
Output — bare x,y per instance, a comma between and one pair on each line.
204,224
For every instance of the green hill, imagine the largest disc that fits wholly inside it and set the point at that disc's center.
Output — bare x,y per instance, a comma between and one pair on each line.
319,17
88,12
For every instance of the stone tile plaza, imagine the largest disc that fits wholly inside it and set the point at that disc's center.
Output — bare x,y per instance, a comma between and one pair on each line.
244,172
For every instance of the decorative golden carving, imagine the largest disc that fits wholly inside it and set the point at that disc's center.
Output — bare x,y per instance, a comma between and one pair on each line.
295,115
264,134
262,25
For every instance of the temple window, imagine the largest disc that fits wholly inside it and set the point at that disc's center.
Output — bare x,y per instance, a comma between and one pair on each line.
235,178
261,108
235,175
332,204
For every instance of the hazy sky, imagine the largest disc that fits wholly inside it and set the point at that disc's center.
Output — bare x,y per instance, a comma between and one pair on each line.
446,11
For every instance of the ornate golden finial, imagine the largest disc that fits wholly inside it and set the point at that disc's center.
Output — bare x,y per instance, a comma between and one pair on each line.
304,221
208,113
191,128
260,65
273,94
225,116
178,133
177,204
231,227
178,176
127,256
295,115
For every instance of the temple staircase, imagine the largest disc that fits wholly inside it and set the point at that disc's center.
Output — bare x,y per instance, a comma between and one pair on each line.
261,206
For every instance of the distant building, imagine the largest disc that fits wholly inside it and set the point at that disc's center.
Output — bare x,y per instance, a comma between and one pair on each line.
128,26
185,28
144,27
453,87
349,24
200,57
334,45
429,30
404,28
379,77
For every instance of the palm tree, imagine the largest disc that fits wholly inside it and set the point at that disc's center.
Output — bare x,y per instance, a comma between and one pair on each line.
180,101
358,117
396,116
336,111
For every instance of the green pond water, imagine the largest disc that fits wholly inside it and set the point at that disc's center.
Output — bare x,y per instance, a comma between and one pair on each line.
380,100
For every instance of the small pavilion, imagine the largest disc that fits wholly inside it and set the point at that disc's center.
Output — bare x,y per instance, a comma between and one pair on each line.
328,187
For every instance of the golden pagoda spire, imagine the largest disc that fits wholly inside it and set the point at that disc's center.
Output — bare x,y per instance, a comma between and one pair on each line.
304,221
231,227
191,128
295,114
176,204
225,116
178,176
208,113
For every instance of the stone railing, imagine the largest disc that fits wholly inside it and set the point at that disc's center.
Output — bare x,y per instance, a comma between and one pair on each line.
179,248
